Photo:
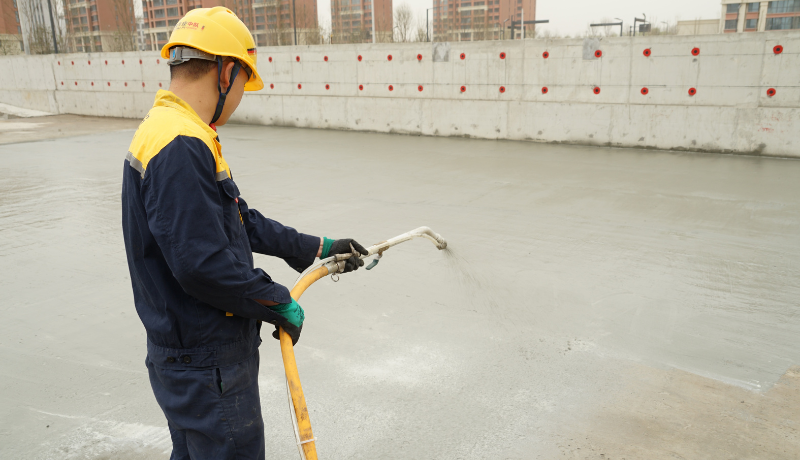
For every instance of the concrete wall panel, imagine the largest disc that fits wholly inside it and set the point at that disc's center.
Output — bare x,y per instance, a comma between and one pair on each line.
730,112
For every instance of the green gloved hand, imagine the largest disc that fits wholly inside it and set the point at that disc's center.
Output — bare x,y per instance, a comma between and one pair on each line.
293,312
294,315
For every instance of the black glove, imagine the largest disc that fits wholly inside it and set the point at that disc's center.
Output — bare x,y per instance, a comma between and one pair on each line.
343,247
291,329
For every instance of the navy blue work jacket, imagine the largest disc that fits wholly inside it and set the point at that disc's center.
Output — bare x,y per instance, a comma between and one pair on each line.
189,239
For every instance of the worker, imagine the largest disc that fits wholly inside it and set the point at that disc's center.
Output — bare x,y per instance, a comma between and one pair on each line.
189,238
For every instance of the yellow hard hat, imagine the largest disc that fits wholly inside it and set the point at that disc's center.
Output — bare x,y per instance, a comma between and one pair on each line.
218,32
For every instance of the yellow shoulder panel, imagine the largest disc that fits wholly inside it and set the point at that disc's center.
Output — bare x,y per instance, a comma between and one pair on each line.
161,126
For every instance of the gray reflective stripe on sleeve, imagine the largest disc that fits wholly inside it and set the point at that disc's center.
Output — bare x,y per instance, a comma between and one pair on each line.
135,164
222,175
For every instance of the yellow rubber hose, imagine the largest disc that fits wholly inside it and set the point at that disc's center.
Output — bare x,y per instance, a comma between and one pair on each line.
293,377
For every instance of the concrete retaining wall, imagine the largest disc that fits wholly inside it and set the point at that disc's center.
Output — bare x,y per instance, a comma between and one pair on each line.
730,111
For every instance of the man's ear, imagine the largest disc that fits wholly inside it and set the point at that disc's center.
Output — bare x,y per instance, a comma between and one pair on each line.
225,78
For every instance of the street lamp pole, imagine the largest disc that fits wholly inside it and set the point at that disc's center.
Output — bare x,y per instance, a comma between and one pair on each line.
620,26
52,26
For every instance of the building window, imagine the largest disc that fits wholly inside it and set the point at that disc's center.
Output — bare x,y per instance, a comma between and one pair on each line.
172,2
172,11
730,24
792,22
161,24
173,22
784,6
82,10
84,20
144,4
158,3
260,19
732,8
94,19
161,36
260,27
158,13
93,9
751,24
753,7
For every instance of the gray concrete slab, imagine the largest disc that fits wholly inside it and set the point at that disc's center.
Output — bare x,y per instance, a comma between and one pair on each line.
593,303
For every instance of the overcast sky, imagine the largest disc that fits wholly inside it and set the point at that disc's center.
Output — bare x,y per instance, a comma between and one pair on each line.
572,16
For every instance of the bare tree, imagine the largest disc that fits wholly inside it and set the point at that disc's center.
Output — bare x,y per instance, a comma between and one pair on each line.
124,38
403,23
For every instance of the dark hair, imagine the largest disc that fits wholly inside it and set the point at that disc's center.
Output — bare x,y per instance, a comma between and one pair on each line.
192,70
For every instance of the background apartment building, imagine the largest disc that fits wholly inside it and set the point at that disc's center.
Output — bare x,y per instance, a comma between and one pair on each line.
99,25
467,20
272,22
351,21
10,28
738,16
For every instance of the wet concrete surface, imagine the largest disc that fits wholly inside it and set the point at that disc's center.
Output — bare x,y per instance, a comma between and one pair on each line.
593,303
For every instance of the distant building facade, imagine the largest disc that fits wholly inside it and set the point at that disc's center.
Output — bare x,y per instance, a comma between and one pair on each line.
10,28
99,25
738,16
467,20
272,22
351,21
698,27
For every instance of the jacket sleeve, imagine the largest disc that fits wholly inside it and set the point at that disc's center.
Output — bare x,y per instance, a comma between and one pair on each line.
271,238
185,215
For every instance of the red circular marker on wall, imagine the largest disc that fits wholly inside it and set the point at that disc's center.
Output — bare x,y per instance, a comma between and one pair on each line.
297,59
159,85
692,91
126,83
695,51
325,58
778,49
327,86
142,84
270,59
92,83
544,90
62,83
90,62
72,62
76,83
271,86
502,89
771,92
546,55
647,52
391,88
59,62
598,54
359,58
299,86
361,87
123,62
463,89
108,83
596,90
463,56
645,91
140,61
106,61
419,88
389,57
419,57
158,61
502,55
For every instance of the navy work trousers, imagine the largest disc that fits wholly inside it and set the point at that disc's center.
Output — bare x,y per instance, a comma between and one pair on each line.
212,413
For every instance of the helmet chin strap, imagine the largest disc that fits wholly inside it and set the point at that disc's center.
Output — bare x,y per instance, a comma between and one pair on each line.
223,95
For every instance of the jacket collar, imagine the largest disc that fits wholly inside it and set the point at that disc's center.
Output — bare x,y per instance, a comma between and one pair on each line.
166,98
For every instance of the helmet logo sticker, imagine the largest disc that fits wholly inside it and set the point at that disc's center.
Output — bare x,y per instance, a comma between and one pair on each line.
189,25
251,51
